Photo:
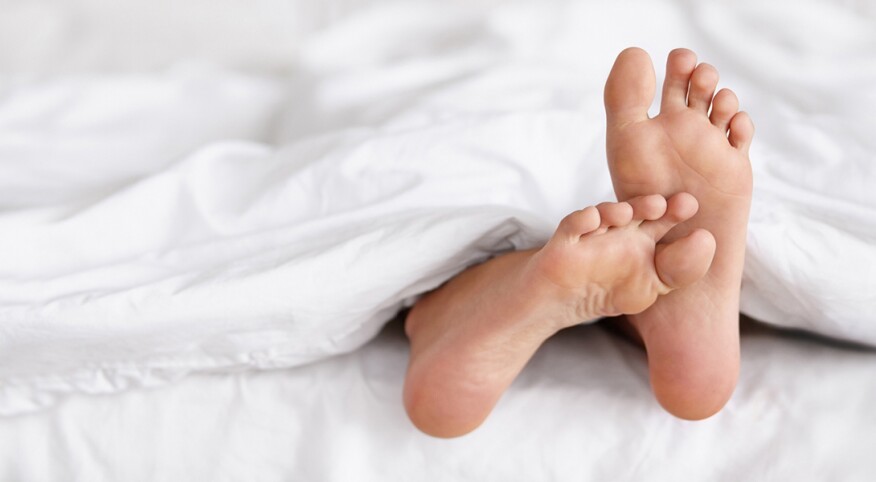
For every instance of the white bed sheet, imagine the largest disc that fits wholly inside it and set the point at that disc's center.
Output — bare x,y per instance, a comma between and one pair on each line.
246,79
581,410
201,215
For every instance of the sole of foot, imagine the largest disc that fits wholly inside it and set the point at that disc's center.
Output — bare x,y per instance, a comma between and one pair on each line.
471,337
699,144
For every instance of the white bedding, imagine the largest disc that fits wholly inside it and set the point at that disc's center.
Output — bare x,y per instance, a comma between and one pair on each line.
581,410
210,187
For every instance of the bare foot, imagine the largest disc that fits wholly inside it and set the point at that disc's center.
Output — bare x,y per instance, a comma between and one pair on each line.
692,334
471,337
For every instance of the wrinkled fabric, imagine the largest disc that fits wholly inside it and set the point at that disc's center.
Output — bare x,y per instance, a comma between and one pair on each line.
203,213
582,409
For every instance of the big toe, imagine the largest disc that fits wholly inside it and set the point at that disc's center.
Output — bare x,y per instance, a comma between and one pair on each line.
629,89
684,261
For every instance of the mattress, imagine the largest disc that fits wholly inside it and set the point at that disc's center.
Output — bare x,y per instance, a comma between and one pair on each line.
209,211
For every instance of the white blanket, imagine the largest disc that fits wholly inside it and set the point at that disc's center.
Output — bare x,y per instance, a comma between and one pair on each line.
272,210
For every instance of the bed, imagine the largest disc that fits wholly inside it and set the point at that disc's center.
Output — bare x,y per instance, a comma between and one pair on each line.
211,216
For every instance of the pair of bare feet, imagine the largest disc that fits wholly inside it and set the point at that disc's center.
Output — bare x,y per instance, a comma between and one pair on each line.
669,256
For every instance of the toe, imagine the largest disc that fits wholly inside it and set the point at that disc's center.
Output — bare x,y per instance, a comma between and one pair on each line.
679,66
648,208
702,87
679,208
724,107
615,214
684,261
741,132
629,89
579,223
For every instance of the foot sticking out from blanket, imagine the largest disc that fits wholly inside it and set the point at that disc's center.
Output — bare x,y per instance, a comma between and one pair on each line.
471,337
692,334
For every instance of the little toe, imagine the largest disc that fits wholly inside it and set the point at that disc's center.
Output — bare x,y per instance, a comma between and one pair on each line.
702,87
679,66
741,132
724,107
648,208
615,214
679,208
684,261
630,87
579,223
